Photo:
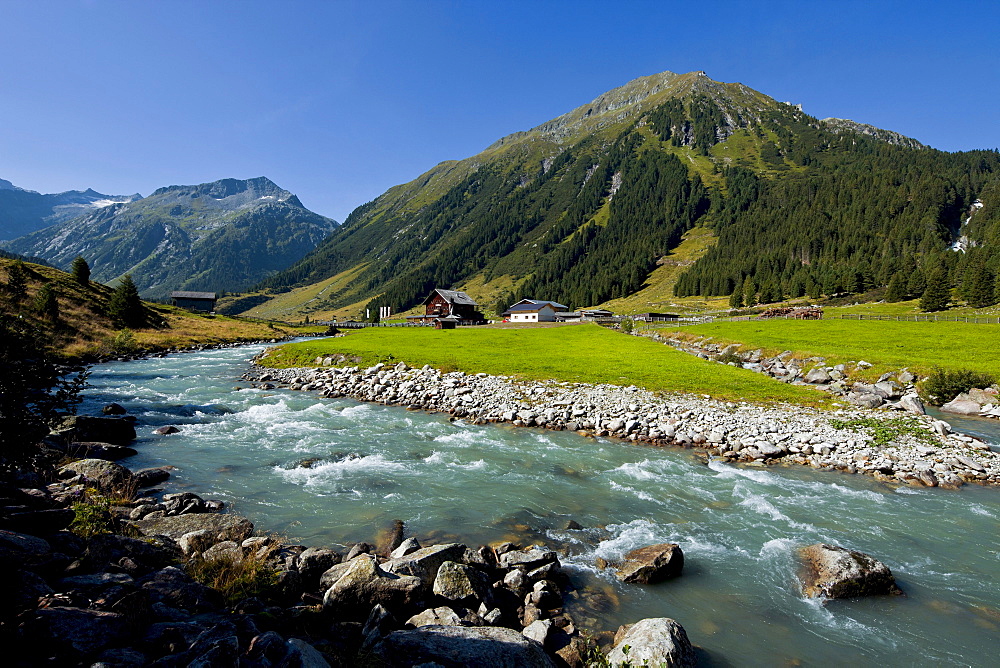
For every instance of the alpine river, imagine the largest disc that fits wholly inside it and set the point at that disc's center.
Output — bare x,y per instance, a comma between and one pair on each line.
331,472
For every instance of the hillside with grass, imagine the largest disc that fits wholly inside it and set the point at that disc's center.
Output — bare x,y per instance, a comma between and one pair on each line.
595,208
81,326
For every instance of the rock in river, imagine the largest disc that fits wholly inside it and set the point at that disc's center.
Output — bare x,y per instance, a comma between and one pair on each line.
652,564
836,572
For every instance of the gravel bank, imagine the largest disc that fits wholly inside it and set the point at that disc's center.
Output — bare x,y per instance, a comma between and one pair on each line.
758,435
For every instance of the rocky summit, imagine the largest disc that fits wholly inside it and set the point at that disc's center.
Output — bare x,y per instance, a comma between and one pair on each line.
219,236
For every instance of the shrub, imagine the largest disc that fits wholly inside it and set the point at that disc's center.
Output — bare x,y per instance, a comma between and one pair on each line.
121,342
730,357
943,385
235,578
81,271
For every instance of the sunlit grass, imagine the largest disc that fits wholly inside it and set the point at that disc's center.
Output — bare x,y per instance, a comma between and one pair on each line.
888,345
574,353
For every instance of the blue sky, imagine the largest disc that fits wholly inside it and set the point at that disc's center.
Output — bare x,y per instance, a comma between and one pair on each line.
338,101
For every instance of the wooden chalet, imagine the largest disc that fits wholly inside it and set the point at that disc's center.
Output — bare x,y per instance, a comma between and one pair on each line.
449,303
194,301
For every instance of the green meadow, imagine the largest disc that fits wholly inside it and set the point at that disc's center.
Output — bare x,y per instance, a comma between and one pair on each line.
888,345
572,353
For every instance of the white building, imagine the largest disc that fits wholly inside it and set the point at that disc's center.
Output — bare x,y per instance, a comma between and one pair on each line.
533,310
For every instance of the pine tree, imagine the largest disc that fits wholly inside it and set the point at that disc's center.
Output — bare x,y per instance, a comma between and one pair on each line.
736,298
937,293
896,292
81,271
978,286
17,280
917,283
46,303
125,307
750,292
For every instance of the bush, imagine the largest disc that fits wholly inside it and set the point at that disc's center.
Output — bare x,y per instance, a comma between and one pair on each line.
943,385
235,578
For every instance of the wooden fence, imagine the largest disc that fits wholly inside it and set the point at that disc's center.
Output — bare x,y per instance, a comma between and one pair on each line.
930,317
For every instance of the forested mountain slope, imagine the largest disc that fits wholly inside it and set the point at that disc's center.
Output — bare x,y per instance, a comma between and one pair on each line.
220,236
581,208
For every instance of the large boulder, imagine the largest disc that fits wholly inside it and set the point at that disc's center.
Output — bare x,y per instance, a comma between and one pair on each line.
107,476
76,632
424,563
652,564
107,550
118,431
530,558
837,572
177,589
461,584
658,641
962,407
459,647
365,584
95,450
220,527
911,403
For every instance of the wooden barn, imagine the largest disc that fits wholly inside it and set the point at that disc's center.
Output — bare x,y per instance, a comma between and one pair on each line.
194,301
442,303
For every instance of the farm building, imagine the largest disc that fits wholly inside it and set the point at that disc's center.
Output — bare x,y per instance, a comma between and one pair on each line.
441,303
532,310
194,301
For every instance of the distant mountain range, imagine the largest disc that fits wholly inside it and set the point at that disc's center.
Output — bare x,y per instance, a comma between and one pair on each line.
25,211
585,208
219,236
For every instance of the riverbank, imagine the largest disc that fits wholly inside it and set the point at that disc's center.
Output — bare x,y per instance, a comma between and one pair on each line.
913,449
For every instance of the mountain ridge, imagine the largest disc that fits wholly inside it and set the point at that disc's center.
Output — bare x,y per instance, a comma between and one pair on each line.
535,210
24,211
218,236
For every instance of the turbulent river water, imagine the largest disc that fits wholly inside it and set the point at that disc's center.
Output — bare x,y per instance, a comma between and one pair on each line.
335,471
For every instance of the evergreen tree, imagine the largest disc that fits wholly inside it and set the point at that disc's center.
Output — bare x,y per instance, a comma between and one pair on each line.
978,286
46,303
125,307
896,292
917,283
937,293
81,271
736,298
17,280
750,292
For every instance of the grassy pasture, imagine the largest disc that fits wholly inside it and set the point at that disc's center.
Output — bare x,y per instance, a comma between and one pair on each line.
573,353
888,345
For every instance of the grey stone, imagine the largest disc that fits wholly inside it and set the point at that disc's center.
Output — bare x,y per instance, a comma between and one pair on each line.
307,656
818,376
406,547
530,558
221,527
106,475
442,616
461,583
657,641
962,407
365,584
460,647
424,563
911,404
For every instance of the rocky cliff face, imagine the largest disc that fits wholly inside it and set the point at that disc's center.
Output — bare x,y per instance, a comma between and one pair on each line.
217,236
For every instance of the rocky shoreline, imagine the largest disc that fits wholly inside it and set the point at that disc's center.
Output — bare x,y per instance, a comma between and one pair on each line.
106,575
922,451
